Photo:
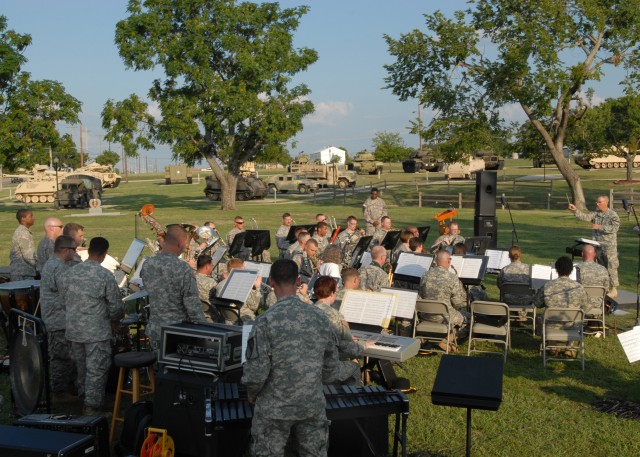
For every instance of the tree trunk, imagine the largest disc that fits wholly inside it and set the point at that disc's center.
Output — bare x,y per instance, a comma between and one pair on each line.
228,185
570,176
630,158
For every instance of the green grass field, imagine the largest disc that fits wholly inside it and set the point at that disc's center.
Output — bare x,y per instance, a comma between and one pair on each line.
544,412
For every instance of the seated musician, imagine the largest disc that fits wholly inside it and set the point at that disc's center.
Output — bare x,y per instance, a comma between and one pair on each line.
517,272
307,260
301,238
592,274
331,261
248,309
405,237
438,283
282,233
205,282
321,236
416,246
325,292
373,277
350,281
448,240
381,231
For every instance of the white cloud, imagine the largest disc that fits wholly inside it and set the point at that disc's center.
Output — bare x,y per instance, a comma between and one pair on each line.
327,113
154,110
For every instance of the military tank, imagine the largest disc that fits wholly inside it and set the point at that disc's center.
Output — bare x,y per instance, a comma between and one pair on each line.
492,161
608,161
248,187
365,162
422,160
41,186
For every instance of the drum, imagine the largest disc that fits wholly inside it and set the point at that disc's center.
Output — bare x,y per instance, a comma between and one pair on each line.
22,295
5,274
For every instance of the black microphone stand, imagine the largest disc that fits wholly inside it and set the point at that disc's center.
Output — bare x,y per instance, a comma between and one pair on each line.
638,277
513,225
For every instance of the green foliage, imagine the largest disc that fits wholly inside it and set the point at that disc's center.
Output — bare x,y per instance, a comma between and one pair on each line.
226,91
390,147
108,158
127,122
274,154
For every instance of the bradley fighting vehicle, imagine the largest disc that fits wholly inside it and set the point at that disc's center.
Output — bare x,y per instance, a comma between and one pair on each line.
249,187
365,162
108,178
41,187
420,160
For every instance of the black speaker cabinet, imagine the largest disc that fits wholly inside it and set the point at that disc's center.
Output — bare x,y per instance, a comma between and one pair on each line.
33,442
487,226
86,425
363,437
179,407
486,191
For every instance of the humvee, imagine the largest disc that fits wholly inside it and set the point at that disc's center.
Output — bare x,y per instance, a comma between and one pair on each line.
291,181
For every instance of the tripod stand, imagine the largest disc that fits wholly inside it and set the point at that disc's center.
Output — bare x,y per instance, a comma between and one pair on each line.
514,234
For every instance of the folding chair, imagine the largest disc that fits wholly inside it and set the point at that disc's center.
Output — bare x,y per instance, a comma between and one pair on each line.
596,313
519,298
229,312
561,327
432,322
489,323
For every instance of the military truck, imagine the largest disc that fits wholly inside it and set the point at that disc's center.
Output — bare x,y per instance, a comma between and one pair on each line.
178,173
291,181
365,162
608,161
330,174
420,160
463,170
76,191
492,161
249,187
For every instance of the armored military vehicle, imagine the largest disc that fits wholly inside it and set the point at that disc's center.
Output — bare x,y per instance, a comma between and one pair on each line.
329,174
464,170
608,161
41,186
178,173
108,177
291,181
248,187
365,162
492,161
76,191
422,160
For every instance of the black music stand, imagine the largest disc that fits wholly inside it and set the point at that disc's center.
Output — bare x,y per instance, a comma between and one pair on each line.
291,236
424,232
576,250
361,247
477,244
390,240
259,241
237,247
468,382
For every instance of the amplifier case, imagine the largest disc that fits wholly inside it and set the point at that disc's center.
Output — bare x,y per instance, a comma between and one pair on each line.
207,347
86,425
33,442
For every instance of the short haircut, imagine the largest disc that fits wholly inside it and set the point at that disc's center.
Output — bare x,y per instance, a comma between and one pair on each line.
319,225
98,246
22,213
415,243
64,242
235,263
235,219
452,223
377,252
348,274
72,228
384,218
459,249
286,215
515,253
352,218
284,272
374,189
312,242
303,235
564,266
405,236
319,214
203,261
441,256
299,229
324,287
175,234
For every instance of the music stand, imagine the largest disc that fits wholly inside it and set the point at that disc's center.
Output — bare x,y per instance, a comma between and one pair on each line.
424,232
259,241
131,257
291,236
477,244
361,247
238,244
390,240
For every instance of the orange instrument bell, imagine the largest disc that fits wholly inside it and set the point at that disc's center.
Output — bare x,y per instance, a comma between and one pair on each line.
441,217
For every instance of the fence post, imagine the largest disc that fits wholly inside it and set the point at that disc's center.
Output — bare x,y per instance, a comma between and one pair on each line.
419,199
611,198
275,198
426,174
551,185
549,201
459,200
448,185
385,184
514,185
334,192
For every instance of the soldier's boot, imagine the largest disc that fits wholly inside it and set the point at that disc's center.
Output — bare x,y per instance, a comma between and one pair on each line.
613,293
92,411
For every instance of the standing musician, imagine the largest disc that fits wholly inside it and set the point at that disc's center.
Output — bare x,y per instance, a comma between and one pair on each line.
373,209
52,230
22,255
348,239
76,231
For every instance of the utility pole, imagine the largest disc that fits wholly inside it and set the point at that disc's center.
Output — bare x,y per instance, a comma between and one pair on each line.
81,160
419,127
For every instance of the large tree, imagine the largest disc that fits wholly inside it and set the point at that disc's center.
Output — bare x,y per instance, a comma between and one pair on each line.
538,54
29,110
390,147
226,92
108,157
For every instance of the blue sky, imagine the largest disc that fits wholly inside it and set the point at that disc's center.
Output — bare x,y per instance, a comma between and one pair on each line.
73,44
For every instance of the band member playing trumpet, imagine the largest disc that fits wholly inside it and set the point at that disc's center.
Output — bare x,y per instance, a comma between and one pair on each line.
348,239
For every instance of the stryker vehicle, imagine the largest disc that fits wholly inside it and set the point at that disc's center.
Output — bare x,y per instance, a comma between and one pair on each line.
463,170
291,181
77,190
422,160
177,173
41,187
492,161
108,178
248,187
330,174
365,162
608,161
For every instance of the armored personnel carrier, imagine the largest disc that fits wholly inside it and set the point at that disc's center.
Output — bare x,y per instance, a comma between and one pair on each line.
108,177
492,161
328,174
249,187
608,161
422,160
365,162
41,187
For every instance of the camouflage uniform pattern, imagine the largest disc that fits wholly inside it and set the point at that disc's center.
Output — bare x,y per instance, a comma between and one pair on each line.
249,308
305,266
22,255
373,277
322,241
348,241
373,210
594,274
281,240
442,285
290,353
61,366
93,302
453,240
378,236
244,251
291,251
205,284
516,272
606,235
44,252
397,251
562,292
173,293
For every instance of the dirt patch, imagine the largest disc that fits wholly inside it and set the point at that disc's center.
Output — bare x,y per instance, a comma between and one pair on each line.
626,182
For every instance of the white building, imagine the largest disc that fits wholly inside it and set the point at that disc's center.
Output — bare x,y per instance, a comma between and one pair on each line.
327,154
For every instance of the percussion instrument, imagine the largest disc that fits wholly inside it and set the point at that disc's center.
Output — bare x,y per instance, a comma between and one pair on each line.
23,295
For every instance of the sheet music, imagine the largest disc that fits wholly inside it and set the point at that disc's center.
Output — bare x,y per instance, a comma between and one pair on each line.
410,264
132,254
246,331
541,274
588,241
630,342
471,267
371,308
217,256
456,264
263,269
497,259
405,301
136,279
365,259
238,285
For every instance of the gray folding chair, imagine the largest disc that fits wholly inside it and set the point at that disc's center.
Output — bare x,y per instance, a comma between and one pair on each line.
596,312
560,328
519,298
432,322
489,323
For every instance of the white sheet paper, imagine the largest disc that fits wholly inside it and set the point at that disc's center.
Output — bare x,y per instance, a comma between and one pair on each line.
541,274
246,331
263,269
471,267
405,302
630,342
238,285
413,265
365,259
371,308
497,259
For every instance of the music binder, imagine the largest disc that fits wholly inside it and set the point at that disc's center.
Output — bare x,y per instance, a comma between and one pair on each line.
217,256
469,268
542,274
368,308
238,244
238,285
258,240
498,259
405,302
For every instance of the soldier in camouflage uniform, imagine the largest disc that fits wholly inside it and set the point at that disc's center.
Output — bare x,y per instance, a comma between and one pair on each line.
517,272
298,247
405,237
350,281
325,292
282,233
381,231
291,351
205,282
248,309
348,239
75,231
438,283
592,274
321,237
448,240
562,292
22,255
61,366
373,277
373,209
173,292
605,223
52,230
93,303
244,252
307,260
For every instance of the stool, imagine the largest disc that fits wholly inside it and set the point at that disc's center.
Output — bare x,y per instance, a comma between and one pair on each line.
133,361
